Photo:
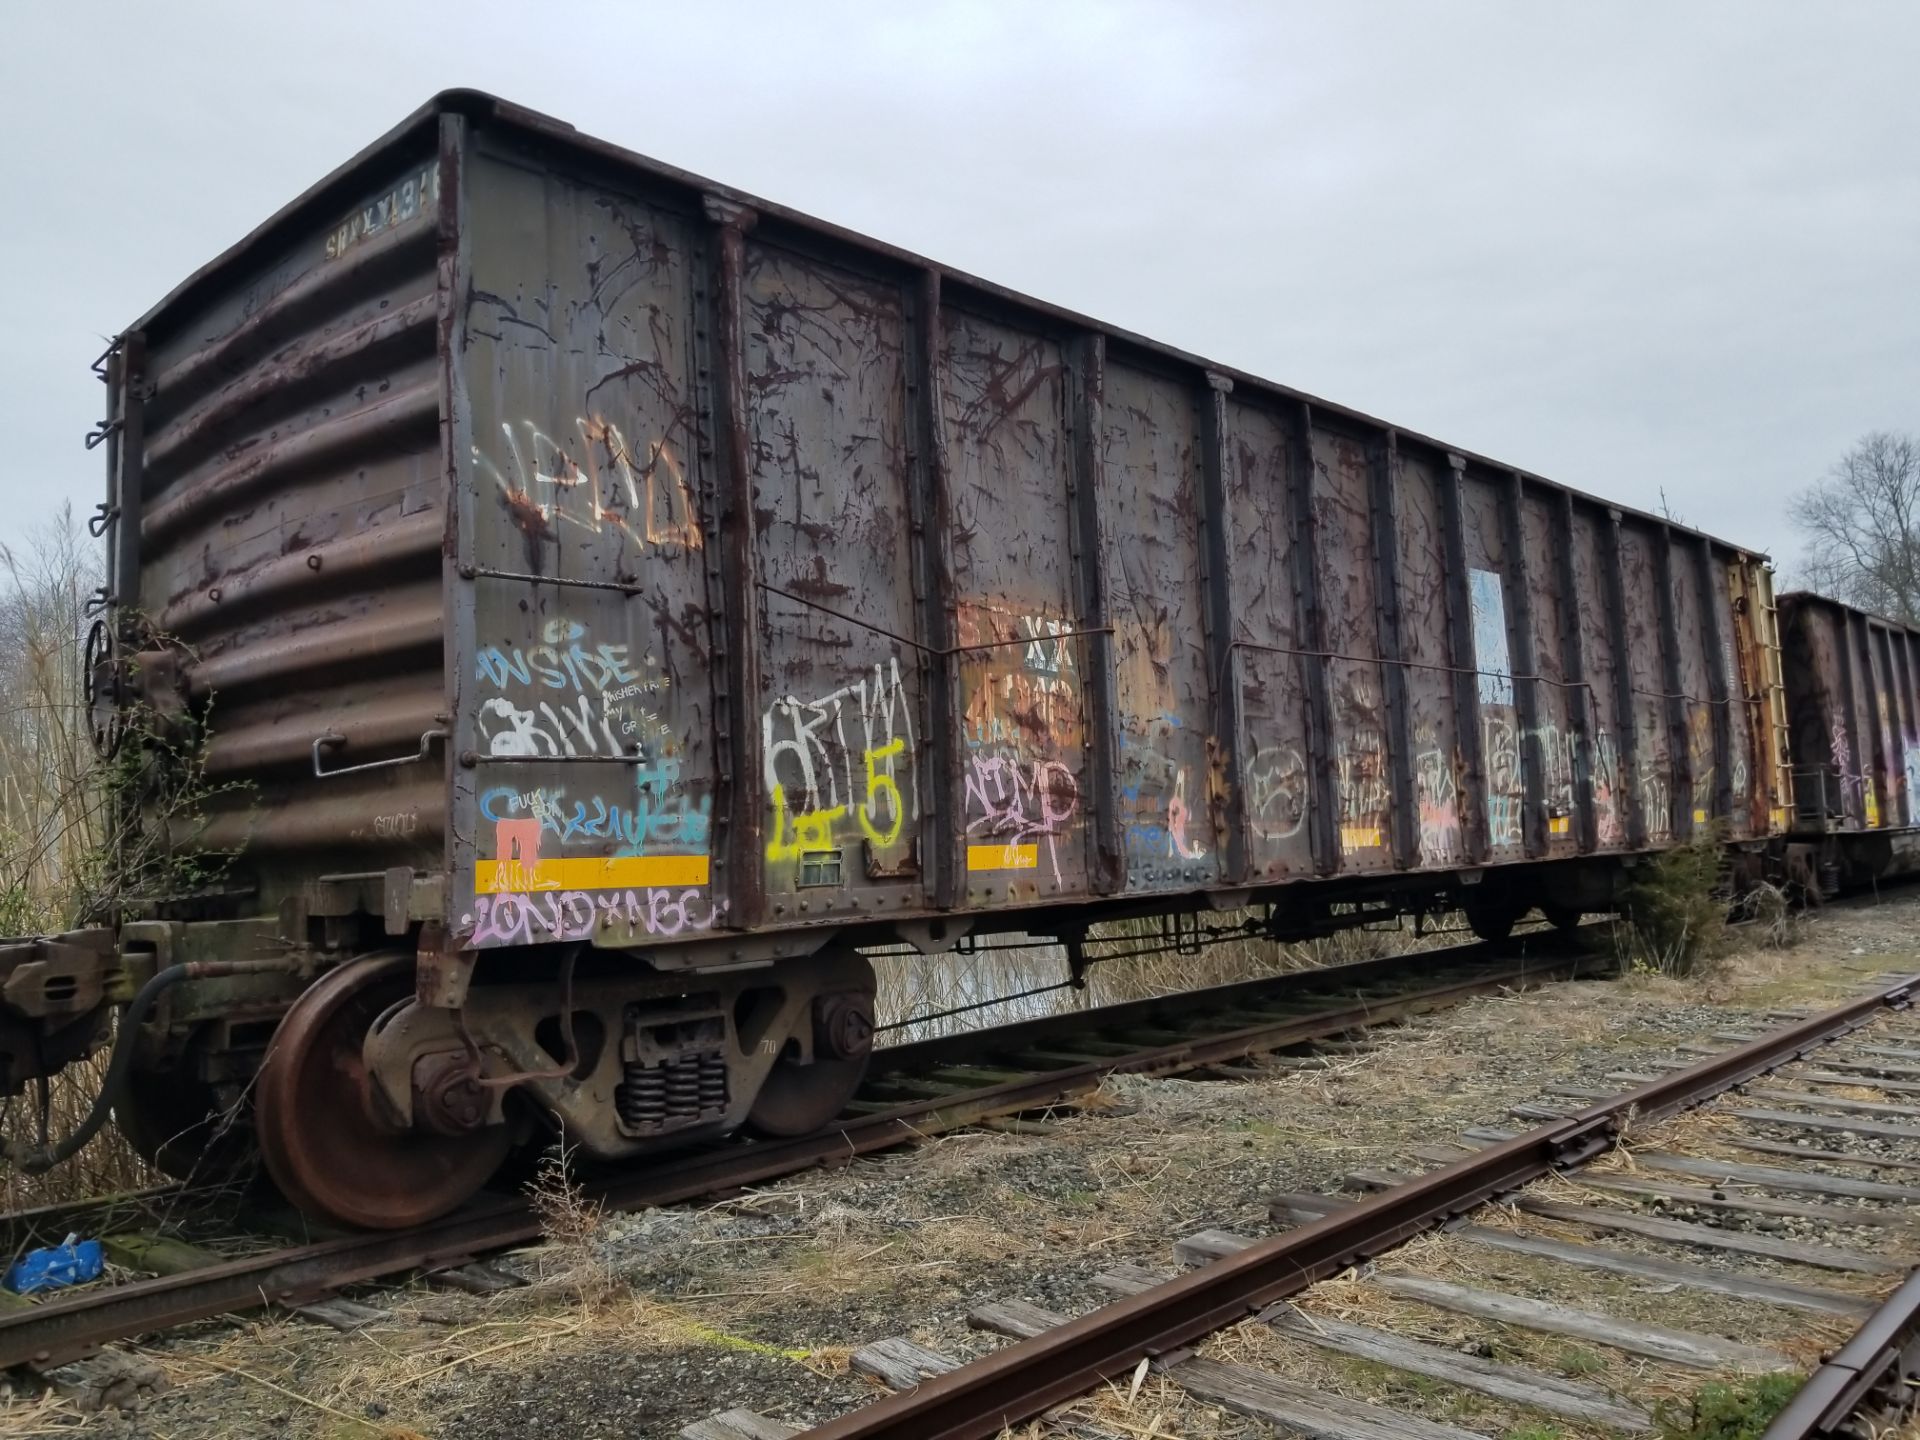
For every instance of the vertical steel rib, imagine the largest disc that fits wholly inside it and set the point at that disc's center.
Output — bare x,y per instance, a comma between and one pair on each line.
1227,790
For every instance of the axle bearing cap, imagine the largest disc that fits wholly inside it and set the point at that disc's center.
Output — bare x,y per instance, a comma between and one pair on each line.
843,1025
448,1097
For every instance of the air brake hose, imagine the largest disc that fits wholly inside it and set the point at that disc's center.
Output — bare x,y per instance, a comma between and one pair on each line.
33,1158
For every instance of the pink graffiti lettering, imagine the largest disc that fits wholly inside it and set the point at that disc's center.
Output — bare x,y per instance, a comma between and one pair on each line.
533,918
1178,846
1015,801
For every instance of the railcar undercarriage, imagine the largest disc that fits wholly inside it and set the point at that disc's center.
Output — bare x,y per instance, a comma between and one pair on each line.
375,1090
368,1107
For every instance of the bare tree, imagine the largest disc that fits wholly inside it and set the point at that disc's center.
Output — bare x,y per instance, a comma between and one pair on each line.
1862,524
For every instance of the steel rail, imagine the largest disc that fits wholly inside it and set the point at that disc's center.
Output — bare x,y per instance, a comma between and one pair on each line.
1840,1387
77,1323
22,1227
978,1400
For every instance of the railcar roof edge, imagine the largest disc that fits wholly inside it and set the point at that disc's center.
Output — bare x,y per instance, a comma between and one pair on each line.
342,187
1801,597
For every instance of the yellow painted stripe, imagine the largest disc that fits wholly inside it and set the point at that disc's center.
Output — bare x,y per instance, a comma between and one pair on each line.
590,872
1559,824
1699,817
1360,837
1003,857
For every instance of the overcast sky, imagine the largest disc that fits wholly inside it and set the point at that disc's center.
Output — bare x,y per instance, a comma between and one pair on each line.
1632,247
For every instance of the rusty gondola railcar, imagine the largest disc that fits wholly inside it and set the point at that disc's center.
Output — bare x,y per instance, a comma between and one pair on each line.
1853,682
600,600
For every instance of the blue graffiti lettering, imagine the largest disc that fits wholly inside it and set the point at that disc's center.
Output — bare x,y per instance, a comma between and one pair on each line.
565,662
654,821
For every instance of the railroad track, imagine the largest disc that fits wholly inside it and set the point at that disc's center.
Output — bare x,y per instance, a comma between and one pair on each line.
1506,1194
915,1090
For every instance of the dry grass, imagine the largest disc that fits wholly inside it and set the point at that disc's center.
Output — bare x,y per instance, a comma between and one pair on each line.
575,1312
53,820
51,817
106,1166
30,1416
916,990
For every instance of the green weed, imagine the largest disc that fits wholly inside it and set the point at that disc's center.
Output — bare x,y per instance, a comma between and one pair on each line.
1576,1362
1721,1411
1674,918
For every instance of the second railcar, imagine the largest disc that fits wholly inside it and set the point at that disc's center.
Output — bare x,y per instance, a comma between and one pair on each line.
602,600
1853,681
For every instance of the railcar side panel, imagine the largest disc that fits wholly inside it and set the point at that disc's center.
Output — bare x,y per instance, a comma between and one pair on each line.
1890,771
1746,768
1023,651
1906,717
1692,699
1856,745
1660,782
1609,743
1342,508
1502,801
584,716
1268,640
1151,554
839,714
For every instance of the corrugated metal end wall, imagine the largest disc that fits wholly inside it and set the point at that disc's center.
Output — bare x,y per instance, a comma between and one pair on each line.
811,585
293,507
1855,718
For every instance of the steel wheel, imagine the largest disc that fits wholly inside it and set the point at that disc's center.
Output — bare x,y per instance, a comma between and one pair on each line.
1562,917
1490,916
177,1125
322,1146
797,1099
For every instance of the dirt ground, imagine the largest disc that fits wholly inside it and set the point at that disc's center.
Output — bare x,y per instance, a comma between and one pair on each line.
642,1323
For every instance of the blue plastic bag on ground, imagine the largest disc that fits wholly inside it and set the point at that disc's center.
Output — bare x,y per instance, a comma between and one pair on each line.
72,1262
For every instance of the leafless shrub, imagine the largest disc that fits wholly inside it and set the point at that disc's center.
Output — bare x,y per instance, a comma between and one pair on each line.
1769,916
574,1224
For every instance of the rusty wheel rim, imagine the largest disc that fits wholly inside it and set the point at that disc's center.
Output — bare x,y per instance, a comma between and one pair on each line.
320,1142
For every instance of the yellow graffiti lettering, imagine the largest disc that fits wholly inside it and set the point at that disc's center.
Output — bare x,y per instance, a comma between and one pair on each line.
794,835
883,784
